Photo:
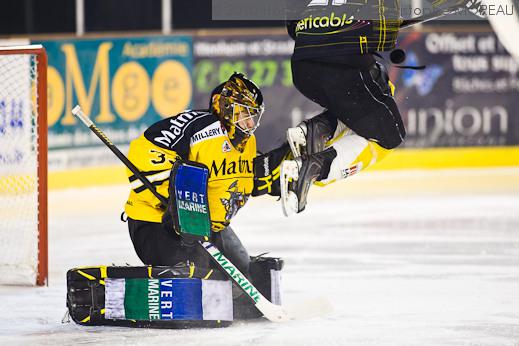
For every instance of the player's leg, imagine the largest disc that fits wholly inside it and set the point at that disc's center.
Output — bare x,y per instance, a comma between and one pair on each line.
347,156
310,135
228,242
156,244
362,100
354,154
361,141
230,245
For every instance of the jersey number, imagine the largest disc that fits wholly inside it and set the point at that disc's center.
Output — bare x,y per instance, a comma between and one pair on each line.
160,159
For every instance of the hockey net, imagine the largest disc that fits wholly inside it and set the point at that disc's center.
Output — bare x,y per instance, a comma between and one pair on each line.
23,165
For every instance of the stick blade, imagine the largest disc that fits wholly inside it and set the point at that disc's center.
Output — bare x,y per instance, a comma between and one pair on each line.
309,309
304,310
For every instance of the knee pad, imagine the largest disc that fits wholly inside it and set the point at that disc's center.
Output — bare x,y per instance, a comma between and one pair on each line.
348,149
354,153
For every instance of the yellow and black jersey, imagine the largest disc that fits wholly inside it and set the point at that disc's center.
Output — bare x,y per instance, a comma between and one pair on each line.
196,136
338,28
327,28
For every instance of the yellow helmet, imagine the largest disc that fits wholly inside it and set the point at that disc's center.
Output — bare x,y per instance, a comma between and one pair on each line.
238,103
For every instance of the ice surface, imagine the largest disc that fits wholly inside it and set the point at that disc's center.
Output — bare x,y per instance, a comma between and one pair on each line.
410,258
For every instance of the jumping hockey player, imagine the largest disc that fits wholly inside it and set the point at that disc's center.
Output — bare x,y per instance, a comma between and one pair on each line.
334,65
222,139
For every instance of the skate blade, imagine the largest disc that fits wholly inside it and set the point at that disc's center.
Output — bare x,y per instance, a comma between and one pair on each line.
289,202
296,139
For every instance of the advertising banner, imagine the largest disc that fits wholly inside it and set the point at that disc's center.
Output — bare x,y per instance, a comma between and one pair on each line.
124,85
266,61
189,299
467,95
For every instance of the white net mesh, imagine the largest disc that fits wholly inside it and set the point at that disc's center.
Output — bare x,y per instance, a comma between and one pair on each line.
18,170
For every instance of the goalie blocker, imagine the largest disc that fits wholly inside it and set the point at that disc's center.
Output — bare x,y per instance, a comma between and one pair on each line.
183,296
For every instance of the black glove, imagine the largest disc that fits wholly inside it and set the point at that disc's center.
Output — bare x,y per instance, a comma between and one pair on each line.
266,171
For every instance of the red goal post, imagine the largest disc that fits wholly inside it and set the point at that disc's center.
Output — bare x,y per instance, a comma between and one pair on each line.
23,166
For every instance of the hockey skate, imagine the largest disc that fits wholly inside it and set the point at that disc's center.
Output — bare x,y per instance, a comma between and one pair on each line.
309,137
296,177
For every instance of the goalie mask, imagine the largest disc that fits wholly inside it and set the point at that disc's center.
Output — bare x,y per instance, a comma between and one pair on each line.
238,103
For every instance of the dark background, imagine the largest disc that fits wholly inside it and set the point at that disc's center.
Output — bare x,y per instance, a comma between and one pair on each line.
59,16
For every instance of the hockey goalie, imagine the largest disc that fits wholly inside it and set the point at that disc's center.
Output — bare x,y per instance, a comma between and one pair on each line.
189,176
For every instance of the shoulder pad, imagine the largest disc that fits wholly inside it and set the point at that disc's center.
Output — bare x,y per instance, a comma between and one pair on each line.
169,132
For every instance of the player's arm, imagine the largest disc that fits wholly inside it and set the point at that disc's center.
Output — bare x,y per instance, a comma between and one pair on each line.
155,164
154,154
168,141
266,171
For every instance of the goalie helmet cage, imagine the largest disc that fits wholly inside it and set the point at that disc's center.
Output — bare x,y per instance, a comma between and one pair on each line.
23,165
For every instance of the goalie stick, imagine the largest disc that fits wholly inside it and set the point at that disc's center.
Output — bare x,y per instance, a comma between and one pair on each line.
272,312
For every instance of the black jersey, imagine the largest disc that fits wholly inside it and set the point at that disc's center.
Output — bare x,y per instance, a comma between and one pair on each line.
337,27
324,29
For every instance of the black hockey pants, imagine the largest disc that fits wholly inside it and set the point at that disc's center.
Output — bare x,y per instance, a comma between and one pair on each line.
359,97
157,245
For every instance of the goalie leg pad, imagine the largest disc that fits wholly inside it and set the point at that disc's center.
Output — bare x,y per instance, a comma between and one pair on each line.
140,297
149,297
265,274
